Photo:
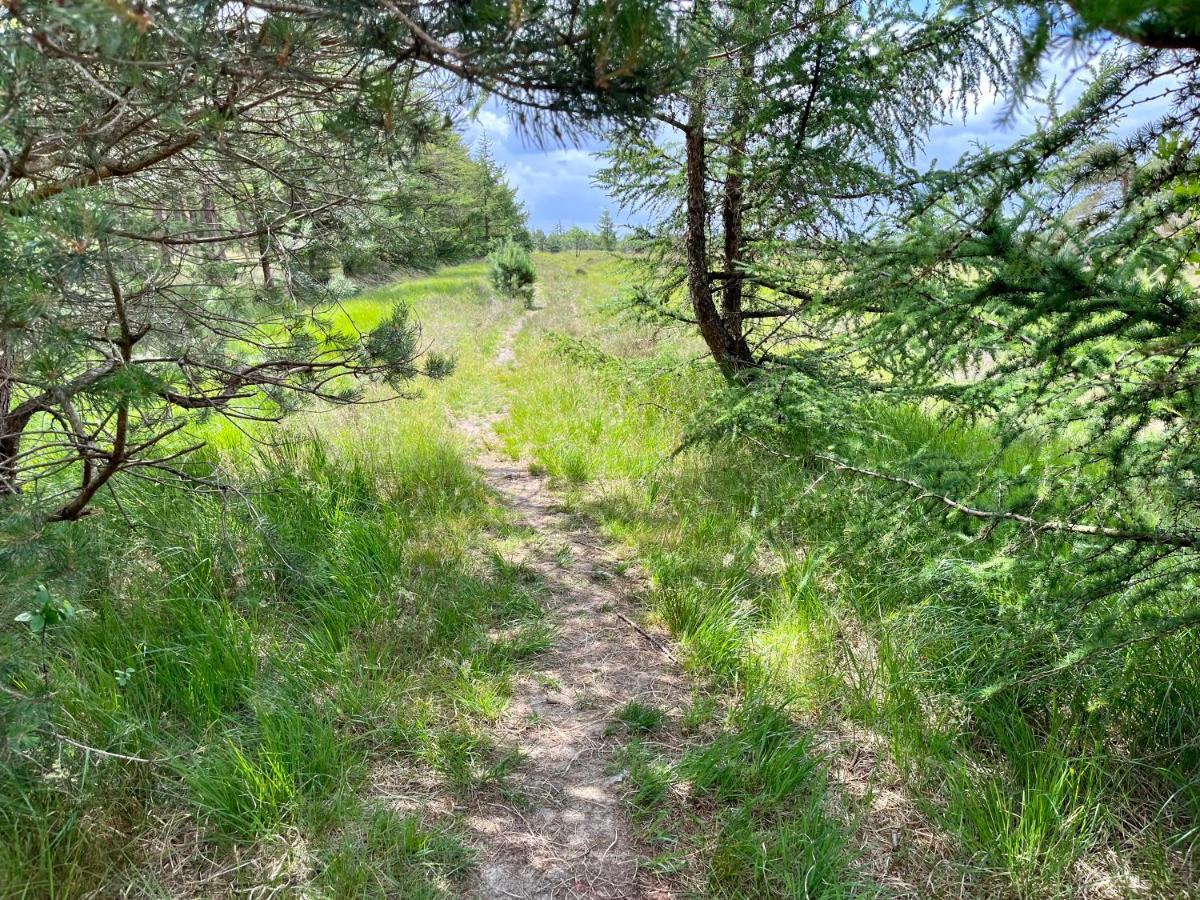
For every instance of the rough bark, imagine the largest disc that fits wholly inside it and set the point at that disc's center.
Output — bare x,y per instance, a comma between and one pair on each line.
730,354
10,436
733,206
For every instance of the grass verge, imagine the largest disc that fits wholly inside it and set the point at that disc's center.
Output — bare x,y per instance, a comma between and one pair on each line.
896,633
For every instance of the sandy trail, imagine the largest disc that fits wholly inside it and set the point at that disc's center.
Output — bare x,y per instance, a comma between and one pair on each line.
567,831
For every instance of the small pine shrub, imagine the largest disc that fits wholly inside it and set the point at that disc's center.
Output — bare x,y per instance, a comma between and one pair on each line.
512,272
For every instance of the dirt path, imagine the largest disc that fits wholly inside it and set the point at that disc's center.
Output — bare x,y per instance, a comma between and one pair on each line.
567,832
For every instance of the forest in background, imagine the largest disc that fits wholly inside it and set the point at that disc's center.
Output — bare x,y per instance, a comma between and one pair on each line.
906,452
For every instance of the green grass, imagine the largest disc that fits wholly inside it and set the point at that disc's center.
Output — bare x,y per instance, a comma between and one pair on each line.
745,814
773,835
851,602
387,855
263,653
260,655
641,717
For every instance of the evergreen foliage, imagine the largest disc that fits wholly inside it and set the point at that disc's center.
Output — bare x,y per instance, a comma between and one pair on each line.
511,271
606,231
973,386
1048,288
179,181
443,206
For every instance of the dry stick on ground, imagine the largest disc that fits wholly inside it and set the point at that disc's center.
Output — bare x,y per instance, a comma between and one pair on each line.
658,645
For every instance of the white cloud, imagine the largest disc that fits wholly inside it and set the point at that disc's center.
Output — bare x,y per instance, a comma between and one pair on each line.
554,183
493,124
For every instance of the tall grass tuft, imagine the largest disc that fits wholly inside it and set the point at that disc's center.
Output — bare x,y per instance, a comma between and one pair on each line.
255,655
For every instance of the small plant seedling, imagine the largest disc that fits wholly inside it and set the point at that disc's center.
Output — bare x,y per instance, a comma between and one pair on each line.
46,614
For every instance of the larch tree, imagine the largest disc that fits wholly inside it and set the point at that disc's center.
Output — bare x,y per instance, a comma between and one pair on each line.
801,122
1049,288
1043,292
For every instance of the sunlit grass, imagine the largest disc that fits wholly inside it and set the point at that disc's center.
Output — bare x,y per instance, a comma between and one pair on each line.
438,300
348,604
848,601
268,648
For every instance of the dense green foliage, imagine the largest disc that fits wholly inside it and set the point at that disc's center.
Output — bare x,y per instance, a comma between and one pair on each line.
445,207
511,271
783,583
803,120
932,497
262,653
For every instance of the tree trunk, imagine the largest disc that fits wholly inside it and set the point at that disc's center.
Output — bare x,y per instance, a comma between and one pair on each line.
731,215
10,434
733,207
262,240
730,352
264,260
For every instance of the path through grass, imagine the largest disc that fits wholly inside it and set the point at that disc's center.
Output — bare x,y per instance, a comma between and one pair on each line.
400,658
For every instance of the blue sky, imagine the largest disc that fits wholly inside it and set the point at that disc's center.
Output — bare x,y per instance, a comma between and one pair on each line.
555,183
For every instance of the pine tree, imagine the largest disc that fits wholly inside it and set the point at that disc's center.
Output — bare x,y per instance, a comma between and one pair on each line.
1044,291
175,176
607,231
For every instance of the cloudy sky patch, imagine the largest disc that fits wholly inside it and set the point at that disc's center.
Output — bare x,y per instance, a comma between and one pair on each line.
555,182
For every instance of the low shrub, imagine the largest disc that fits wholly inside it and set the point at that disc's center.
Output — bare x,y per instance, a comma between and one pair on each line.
511,271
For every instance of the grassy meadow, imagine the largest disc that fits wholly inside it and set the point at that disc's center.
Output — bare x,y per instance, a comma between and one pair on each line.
266,660
883,625
259,688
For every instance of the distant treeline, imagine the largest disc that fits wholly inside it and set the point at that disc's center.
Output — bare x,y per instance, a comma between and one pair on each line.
448,205
577,239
